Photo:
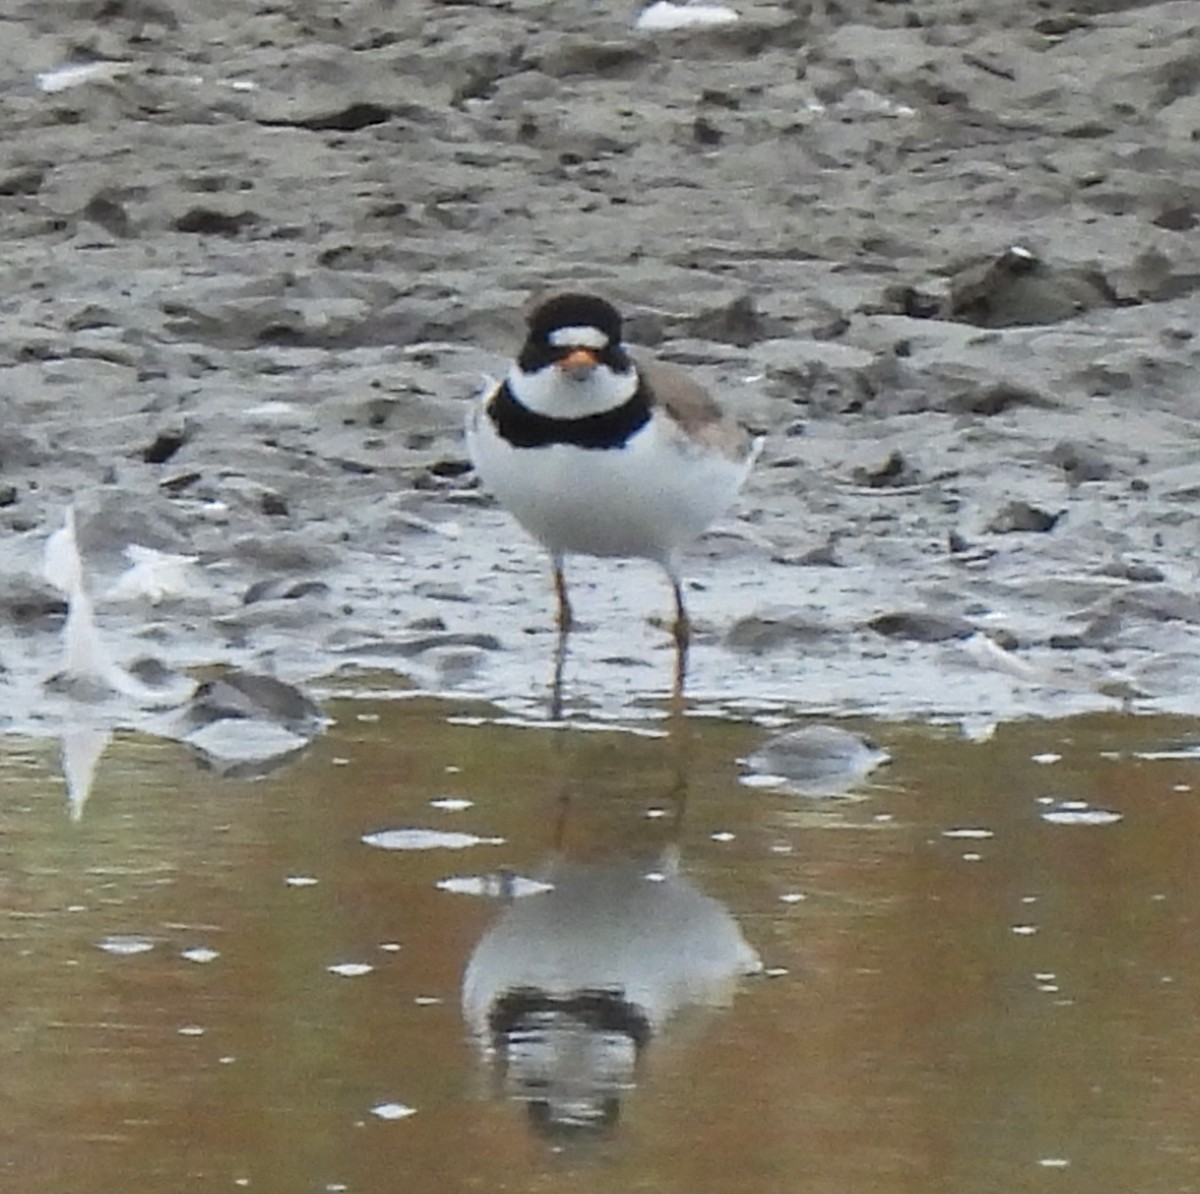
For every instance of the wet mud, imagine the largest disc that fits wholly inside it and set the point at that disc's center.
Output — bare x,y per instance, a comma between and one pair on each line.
257,259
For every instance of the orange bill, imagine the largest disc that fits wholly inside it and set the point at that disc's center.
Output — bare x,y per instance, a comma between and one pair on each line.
579,358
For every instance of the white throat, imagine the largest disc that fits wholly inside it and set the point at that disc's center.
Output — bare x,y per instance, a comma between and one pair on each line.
553,393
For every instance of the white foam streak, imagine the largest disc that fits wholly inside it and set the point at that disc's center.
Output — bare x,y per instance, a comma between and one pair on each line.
427,839
76,74
83,655
153,575
85,658
82,747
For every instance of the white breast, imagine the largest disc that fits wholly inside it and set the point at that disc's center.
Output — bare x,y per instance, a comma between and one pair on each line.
648,498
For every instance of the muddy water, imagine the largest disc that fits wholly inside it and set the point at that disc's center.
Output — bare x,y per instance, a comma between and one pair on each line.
971,978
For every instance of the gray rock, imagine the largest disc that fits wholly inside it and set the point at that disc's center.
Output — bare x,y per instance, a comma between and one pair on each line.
771,630
1080,462
1022,516
1018,288
894,472
28,602
922,627
816,760
284,552
239,695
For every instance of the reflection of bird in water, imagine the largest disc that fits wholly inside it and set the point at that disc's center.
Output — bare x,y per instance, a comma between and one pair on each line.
571,984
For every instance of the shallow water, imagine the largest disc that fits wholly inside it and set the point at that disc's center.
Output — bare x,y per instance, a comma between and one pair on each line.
211,983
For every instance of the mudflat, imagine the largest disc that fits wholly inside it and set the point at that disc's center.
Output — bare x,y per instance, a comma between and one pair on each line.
942,255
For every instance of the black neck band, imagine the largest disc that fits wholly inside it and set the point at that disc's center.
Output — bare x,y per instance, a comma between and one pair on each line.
525,428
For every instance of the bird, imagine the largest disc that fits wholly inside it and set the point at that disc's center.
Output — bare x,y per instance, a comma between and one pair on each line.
595,451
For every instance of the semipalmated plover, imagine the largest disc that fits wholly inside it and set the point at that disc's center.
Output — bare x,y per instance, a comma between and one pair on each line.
597,453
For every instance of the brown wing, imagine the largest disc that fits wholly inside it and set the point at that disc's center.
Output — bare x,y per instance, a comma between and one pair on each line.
693,408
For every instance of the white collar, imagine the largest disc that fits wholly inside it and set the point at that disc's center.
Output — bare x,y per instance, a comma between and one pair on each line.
552,393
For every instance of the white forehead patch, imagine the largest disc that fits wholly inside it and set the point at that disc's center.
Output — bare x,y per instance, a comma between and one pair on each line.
578,337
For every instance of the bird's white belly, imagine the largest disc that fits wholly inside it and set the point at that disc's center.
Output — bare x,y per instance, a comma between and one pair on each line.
648,498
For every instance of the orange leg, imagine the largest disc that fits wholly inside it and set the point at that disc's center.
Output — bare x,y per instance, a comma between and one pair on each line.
683,625
565,620
683,635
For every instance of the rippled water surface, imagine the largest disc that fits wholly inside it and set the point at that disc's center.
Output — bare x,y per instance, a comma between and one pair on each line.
441,953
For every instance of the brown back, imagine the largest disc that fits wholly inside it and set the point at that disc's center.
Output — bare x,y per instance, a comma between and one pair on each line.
693,407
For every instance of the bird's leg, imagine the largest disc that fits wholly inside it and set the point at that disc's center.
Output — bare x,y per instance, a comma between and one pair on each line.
560,667
683,633
682,628
565,621
681,750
